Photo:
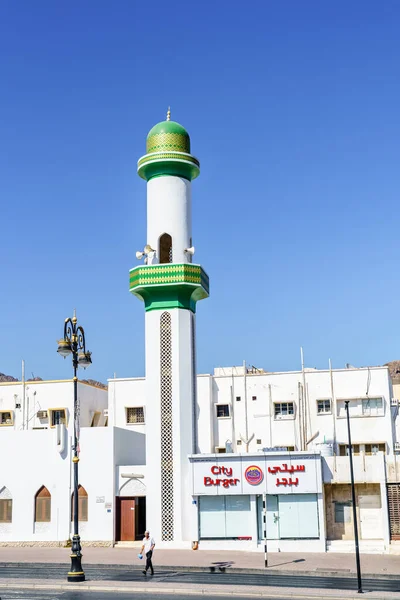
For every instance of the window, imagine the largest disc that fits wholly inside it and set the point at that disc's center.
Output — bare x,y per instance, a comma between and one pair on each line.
106,422
6,417
343,512
222,411
134,415
95,419
43,506
254,397
372,407
165,248
344,449
284,410
259,441
5,506
239,443
372,449
361,407
225,517
238,398
323,406
5,511
220,450
82,504
58,416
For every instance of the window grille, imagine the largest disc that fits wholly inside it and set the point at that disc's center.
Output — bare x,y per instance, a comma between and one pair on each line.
134,415
167,458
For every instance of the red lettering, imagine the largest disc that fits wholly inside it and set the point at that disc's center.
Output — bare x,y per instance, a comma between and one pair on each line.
217,482
208,481
215,470
236,481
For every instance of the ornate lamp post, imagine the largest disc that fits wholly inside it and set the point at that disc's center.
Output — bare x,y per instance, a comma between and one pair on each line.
73,343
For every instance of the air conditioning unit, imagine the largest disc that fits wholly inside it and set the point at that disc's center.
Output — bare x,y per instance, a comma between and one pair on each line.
105,412
42,414
394,402
397,446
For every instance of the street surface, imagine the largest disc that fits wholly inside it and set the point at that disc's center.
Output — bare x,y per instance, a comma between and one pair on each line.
126,574
33,595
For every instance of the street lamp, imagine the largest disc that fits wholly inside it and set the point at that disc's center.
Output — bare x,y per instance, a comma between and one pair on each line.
353,495
73,343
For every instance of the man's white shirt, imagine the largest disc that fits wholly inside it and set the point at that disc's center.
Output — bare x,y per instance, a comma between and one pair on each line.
148,543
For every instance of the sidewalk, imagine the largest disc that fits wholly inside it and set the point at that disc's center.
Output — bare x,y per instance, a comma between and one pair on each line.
301,563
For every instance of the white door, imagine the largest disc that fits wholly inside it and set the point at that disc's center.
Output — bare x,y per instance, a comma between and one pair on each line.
272,518
370,517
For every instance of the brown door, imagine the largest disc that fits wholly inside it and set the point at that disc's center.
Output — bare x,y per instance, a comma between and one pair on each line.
125,519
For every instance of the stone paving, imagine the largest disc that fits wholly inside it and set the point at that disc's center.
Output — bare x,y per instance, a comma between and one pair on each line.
371,564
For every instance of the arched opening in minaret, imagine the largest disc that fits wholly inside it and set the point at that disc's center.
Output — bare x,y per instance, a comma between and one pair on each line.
165,248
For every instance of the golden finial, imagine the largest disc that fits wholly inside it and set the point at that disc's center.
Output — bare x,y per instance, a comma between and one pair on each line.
169,113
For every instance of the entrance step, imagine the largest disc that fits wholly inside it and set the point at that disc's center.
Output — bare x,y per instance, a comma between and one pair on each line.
347,546
136,544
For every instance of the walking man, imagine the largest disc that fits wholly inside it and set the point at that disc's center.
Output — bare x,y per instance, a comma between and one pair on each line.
147,548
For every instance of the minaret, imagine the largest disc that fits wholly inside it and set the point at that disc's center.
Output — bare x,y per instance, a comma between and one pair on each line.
170,285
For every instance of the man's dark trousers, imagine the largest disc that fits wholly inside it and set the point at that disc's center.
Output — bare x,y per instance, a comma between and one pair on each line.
149,564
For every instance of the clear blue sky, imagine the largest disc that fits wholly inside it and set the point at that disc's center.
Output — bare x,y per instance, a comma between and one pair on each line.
293,110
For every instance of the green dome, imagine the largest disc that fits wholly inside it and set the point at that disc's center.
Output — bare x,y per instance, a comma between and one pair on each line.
168,136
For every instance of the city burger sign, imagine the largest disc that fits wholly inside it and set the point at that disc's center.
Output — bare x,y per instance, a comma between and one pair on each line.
225,478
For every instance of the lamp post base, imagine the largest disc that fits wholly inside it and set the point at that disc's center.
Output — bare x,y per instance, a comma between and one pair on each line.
76,573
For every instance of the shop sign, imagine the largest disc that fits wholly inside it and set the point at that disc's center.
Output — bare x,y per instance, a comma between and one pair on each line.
225,482
287,481
254,475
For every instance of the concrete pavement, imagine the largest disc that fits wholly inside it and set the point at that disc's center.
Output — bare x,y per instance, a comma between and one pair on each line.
300,563
184,590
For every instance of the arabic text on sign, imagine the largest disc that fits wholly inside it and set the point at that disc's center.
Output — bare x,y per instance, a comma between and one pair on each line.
285,469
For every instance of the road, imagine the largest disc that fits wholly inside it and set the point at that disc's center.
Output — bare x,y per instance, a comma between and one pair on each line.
32,595
122,573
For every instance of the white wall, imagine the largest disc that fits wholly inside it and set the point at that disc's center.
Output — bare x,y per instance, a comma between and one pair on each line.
42,395
36,462
124,393
286,387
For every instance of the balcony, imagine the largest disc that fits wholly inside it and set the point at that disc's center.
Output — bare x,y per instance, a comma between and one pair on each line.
367,469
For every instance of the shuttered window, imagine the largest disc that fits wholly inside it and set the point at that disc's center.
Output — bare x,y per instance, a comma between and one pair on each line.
134,415
394,510
83,501
43,506
6,511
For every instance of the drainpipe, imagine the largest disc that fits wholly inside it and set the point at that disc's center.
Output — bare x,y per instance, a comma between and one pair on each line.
304,416
23,394
245,406
233,413
333,415
271,416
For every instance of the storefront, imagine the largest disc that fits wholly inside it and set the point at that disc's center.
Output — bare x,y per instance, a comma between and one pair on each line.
229,489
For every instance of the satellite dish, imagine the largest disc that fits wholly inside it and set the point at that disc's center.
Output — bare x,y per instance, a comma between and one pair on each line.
190,250
148,249
139,254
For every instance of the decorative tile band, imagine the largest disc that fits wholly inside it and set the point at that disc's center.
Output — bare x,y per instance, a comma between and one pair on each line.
166,274
168,156
169,285
177,164
168,141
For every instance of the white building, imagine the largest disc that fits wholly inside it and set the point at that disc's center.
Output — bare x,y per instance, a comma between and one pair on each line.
217,443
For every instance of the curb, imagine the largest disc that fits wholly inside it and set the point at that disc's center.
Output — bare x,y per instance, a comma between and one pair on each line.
217,569
185,591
